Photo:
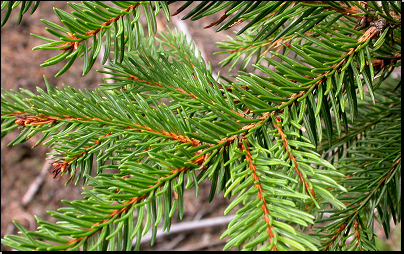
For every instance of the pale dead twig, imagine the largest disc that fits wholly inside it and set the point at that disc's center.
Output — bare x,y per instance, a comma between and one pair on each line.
29,195
182,26
171,245
36,184
200,246
188,226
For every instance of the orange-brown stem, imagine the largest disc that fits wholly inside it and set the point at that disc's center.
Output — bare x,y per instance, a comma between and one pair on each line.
24,119
217,21
135,200
74,45
341,228
260,191
291,157
355,212
358,236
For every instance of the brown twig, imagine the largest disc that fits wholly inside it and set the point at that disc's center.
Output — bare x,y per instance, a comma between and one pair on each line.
60,167
358,236
291,157
160,182
340,229
74,45
354,214
224,16
260,191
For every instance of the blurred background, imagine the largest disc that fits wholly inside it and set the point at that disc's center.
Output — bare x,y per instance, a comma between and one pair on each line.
21,166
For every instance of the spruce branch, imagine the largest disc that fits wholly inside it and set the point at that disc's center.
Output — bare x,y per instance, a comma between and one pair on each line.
374,180
244,147
77,41
25,5
316,131
126,206
277,125
353,217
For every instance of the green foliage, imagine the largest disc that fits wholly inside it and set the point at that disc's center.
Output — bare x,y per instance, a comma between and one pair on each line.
8,6
314,130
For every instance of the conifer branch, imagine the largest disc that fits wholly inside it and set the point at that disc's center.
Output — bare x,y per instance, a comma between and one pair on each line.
74,45
261,195
352,218
164,123
115,214
292,158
